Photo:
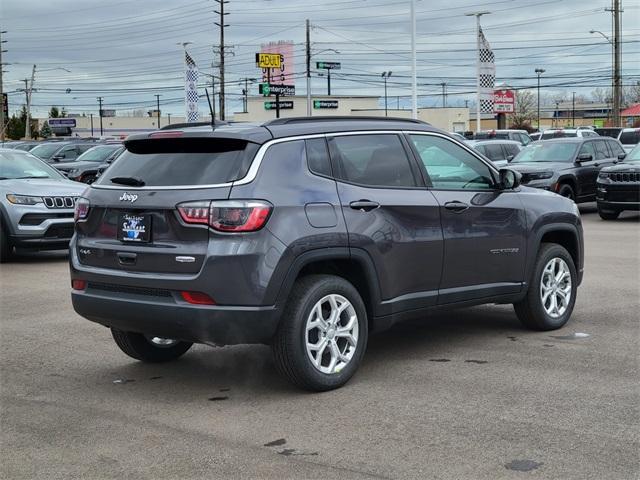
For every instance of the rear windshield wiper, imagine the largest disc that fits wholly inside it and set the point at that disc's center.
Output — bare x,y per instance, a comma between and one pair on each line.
130,181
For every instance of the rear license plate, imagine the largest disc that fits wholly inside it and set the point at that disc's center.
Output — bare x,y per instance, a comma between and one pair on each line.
133,227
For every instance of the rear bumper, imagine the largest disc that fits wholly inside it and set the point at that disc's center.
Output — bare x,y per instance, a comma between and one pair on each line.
170,318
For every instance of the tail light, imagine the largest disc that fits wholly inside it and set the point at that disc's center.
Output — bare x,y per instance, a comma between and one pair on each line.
78,284
81,210
229,215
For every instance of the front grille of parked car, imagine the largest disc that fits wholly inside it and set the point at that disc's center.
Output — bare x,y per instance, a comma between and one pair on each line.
113,288
38,218
624,177
60,202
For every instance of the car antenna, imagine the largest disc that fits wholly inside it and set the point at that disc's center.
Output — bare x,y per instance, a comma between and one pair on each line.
213,120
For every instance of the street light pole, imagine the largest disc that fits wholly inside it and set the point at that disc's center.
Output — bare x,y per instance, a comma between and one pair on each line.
539,71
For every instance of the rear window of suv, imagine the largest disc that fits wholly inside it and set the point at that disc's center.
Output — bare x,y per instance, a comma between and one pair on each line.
630,138
183,162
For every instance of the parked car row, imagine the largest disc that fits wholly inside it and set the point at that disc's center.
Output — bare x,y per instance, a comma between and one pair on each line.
79,159
581,167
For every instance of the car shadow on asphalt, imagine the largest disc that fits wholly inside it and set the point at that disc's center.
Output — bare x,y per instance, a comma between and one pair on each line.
216,372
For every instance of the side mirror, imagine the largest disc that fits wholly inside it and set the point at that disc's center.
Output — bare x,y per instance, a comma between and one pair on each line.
622,156
509,179
57,158
584,157
510,157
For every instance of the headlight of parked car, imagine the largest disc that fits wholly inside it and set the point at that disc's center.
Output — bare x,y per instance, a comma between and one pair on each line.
540,175
73,171
603,175
24,199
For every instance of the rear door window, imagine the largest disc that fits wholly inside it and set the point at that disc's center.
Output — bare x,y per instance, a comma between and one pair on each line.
494,151
616,148
377,160
182,162
601,150
511,149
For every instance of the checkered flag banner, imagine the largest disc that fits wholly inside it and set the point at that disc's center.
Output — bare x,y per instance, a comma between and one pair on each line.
190,89
486,73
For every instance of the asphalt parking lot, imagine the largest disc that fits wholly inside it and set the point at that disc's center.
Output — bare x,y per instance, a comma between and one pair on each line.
467,394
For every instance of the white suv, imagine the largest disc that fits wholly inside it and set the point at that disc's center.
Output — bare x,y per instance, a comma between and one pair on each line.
568,132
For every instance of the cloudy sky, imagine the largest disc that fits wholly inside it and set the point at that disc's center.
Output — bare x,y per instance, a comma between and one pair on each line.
127,51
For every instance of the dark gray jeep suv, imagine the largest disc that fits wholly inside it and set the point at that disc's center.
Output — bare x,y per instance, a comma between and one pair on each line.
309,234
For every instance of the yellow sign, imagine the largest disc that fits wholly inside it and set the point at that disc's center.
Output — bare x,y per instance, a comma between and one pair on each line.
268,60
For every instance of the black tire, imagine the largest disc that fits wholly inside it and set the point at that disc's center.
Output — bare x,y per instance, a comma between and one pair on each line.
289,345
566,190
139,347
608,214
530,310
6,249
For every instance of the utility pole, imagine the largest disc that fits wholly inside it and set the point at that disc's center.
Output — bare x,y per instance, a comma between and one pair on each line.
616,80
2,119
29,90
539,71
222,26
573,109
91,118
158,108
308,49
100,114
444,94
385,76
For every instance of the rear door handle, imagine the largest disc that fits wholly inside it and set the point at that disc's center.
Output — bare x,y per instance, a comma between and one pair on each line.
456,206
364,205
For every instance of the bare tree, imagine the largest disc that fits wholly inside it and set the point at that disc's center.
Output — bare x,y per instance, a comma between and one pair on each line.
525,110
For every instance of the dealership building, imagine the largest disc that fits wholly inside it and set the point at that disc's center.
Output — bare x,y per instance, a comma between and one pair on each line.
260,109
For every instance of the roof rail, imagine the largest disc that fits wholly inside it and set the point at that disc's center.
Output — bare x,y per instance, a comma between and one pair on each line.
173,126
339,118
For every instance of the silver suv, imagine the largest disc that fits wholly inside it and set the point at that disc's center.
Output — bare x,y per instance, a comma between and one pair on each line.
36,204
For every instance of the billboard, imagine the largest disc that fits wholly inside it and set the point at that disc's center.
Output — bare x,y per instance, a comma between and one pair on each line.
284,75
504,101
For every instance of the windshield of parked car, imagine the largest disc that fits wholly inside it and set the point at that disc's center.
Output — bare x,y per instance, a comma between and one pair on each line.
633,156
98,154
547,152
15,165
45,150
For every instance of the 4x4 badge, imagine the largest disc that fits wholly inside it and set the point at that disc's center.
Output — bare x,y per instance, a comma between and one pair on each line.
128,197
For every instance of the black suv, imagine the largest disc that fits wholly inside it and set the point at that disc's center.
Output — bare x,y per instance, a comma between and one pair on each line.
309,234
568,166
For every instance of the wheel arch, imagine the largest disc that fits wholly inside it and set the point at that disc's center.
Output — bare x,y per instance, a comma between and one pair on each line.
355,266
565,235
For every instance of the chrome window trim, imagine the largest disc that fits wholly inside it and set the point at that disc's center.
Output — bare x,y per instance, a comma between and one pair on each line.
257,161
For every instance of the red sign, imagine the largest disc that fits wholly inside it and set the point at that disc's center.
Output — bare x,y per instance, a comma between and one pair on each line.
504,101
